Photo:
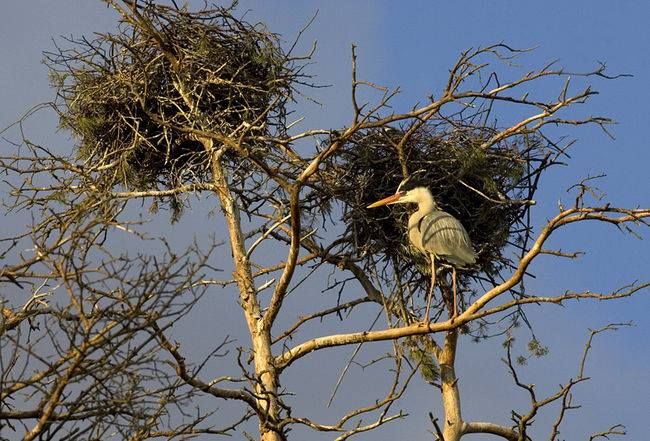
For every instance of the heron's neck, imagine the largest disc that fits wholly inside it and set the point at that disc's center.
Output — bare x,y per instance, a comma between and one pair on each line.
426,205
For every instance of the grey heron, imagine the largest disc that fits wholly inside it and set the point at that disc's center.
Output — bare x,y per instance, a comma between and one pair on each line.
435,233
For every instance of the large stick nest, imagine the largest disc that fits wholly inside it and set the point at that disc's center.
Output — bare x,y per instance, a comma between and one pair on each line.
137,99
489,189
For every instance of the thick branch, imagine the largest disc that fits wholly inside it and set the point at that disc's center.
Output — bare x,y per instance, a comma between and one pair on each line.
475,310
491,428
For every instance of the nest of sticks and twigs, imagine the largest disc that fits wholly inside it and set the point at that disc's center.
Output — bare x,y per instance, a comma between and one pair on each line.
489,189
137,99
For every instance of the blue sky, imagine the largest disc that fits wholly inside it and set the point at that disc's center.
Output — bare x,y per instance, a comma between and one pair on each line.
413,44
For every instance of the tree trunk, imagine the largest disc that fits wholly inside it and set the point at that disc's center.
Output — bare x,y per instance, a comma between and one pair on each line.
266,375
267,388
450,396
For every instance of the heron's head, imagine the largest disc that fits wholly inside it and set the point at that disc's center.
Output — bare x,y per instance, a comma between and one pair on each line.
418,195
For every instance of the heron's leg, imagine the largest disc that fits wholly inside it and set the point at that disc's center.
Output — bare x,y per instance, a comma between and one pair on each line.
453,284
431,287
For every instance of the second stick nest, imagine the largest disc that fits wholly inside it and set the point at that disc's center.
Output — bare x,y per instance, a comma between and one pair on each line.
489,189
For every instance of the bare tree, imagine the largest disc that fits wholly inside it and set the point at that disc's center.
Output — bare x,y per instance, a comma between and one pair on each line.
178,103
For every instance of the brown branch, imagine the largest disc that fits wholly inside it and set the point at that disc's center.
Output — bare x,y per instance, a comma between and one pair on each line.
294,209
320,314
617,429
490,428
394,393
54,397
192,188
624,292
181,371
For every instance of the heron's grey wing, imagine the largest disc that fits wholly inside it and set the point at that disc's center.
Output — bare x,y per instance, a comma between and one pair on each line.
443,235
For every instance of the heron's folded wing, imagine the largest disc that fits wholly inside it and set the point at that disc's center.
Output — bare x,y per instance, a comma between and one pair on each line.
444,236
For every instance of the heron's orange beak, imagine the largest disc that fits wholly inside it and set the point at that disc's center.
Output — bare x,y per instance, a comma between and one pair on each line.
389,200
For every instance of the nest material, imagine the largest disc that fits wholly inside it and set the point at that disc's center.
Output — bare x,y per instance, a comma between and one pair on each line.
483,188
130,105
